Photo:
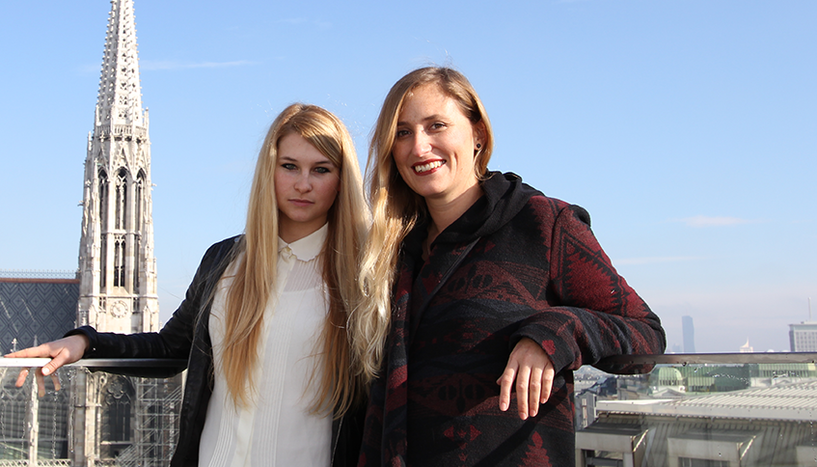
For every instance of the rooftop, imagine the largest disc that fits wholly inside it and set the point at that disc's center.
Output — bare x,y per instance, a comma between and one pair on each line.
785,401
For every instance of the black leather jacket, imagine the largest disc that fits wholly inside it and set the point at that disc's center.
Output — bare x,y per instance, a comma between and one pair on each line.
187,336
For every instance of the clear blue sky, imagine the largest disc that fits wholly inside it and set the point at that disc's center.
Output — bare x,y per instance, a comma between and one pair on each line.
687,128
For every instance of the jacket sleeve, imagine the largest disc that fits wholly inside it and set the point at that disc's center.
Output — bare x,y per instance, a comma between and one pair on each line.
593,312
175,339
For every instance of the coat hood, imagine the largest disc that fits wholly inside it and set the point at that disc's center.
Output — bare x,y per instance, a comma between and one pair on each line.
504,196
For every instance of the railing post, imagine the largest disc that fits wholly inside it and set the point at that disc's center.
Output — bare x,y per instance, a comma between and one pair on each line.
32,422
78,421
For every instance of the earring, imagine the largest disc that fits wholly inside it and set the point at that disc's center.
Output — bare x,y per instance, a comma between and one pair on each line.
479,145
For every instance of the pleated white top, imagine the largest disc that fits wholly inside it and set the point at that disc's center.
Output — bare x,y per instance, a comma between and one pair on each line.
277,429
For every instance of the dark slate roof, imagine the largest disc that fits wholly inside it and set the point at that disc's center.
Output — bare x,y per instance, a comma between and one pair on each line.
41,309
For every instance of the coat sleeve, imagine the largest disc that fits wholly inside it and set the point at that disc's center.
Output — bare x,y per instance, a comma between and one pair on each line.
175,339
592,312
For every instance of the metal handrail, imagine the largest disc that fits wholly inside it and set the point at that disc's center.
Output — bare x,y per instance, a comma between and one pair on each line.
713,358
660,359
97,362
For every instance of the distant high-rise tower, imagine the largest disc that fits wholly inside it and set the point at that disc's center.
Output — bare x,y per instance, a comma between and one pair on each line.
689,334
116,263
803,336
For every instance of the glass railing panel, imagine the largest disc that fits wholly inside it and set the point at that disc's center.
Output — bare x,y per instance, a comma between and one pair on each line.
98,417
700,410
689,410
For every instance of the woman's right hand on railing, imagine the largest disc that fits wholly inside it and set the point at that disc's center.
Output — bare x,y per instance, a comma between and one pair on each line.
61,352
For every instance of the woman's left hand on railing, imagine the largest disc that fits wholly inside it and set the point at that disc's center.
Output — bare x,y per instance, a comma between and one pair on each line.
62,352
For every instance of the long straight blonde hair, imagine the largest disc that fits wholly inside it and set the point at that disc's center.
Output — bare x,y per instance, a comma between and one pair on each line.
254,280
396,208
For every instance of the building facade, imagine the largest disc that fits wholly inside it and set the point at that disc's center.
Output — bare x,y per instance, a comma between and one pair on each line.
689,334
126,419
35,307
803,336
98,418
116,264
769,425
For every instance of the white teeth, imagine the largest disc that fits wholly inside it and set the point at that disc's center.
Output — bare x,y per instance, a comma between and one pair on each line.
427,167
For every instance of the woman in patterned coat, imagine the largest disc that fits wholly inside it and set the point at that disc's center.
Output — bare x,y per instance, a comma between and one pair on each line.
477,286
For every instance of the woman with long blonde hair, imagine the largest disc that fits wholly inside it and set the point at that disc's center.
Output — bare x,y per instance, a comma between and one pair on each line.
271,379
477,286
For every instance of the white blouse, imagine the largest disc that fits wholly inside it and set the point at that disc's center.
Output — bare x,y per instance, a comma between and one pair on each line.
277,428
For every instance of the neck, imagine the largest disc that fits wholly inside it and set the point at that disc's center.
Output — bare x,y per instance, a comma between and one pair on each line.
292,232
444,212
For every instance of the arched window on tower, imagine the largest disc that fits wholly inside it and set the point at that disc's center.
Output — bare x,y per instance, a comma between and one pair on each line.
137,269
102,209
139,216
103,263
139,204
119,262
117,406
121,199
103,200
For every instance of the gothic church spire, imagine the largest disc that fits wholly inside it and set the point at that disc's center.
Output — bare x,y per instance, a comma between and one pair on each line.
116,262
120,93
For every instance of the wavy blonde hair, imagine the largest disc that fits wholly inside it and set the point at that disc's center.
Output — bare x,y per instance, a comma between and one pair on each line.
254,281
396,208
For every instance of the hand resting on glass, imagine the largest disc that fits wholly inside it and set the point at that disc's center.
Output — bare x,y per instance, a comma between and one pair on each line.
61,352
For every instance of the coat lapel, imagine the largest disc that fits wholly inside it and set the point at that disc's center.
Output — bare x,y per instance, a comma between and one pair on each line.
442,264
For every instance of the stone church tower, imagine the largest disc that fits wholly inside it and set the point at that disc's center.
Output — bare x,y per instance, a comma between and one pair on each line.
131,420
116,263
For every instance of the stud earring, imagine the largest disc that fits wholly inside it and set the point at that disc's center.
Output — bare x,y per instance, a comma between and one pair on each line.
479,145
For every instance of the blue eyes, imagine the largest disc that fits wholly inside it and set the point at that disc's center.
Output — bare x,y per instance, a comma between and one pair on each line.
292,167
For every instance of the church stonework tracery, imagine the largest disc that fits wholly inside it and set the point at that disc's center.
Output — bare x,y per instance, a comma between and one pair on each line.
97,418
116,249
115,417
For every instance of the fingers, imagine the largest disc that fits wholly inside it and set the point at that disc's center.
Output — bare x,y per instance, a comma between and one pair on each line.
63,351
534,391
55,380
38,376
59,360
505,383
547,382
522,386
530,372
31,352
21,378
40,383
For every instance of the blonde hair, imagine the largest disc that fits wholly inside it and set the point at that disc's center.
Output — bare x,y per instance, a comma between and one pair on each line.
254,281
396,208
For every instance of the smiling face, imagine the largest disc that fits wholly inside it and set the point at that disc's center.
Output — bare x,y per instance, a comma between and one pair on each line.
434,147
306,185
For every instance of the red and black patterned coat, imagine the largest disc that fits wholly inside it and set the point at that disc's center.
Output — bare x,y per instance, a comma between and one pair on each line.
516,264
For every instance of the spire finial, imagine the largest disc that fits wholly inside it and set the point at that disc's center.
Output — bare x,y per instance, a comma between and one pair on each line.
120,92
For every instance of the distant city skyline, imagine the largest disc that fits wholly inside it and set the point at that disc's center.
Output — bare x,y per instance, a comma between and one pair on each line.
685,128
688,327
